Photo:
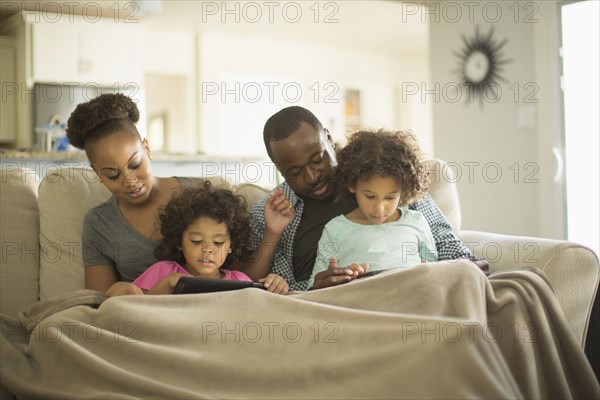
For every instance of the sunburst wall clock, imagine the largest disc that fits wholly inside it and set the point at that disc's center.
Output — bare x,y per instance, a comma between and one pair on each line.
480,65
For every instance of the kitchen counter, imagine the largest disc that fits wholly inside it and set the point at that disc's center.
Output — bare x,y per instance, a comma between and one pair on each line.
235,169
6,154
11,154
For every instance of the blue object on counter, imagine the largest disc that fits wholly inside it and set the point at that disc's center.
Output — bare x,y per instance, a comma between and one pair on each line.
52,137
62,144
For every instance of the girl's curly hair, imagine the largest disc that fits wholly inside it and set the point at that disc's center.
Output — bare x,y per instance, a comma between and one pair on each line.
387,154
100,117
194,202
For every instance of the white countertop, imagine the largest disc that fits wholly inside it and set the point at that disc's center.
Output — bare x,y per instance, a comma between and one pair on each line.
11,154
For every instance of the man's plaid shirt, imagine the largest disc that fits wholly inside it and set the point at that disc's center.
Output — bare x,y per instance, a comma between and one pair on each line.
449,247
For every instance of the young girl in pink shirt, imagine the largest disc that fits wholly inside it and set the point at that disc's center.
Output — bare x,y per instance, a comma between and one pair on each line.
203,230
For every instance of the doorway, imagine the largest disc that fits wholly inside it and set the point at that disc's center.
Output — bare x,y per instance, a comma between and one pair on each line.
581,87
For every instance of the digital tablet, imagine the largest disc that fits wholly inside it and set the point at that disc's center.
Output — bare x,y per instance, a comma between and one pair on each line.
192,284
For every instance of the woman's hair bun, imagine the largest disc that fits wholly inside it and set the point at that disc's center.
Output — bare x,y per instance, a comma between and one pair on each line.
90,115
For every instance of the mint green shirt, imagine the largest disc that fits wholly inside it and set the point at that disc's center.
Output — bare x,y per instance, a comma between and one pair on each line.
402,243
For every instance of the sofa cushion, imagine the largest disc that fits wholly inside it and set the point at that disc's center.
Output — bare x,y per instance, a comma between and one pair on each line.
65,196
442,188
251,192
19,237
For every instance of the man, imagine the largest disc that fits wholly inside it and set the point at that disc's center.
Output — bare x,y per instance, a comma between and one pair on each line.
303,152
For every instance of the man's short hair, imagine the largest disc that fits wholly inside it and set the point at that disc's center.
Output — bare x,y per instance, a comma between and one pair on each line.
285,122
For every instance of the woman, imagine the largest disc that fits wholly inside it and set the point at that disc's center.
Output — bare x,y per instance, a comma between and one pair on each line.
119,236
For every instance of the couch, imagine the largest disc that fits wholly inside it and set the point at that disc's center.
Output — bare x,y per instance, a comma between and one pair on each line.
41,252
41,230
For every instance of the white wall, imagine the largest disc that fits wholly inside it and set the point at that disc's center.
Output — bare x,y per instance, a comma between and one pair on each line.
165,98
333,46
246,80
502,137
170,67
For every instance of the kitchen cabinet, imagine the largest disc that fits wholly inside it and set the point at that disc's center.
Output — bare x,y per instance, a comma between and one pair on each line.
105,53
76,50
67,50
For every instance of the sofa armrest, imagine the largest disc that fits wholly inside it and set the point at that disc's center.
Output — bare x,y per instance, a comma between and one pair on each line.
572,269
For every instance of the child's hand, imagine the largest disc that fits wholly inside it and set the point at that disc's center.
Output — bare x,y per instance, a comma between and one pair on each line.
166,285
173,279
275,284
279,212
123,289
358,269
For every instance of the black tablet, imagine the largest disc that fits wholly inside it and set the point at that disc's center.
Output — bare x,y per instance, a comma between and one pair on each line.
192,284
372,273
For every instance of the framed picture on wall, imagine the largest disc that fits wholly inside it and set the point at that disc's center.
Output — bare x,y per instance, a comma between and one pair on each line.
352,111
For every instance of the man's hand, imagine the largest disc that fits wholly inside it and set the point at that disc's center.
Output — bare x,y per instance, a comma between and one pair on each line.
482,264
123,289
275,284
279,212
333,275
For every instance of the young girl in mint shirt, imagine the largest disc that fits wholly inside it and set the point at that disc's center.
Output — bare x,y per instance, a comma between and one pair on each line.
384,171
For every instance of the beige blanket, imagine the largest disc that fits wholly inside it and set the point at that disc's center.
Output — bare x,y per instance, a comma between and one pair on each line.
439,330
